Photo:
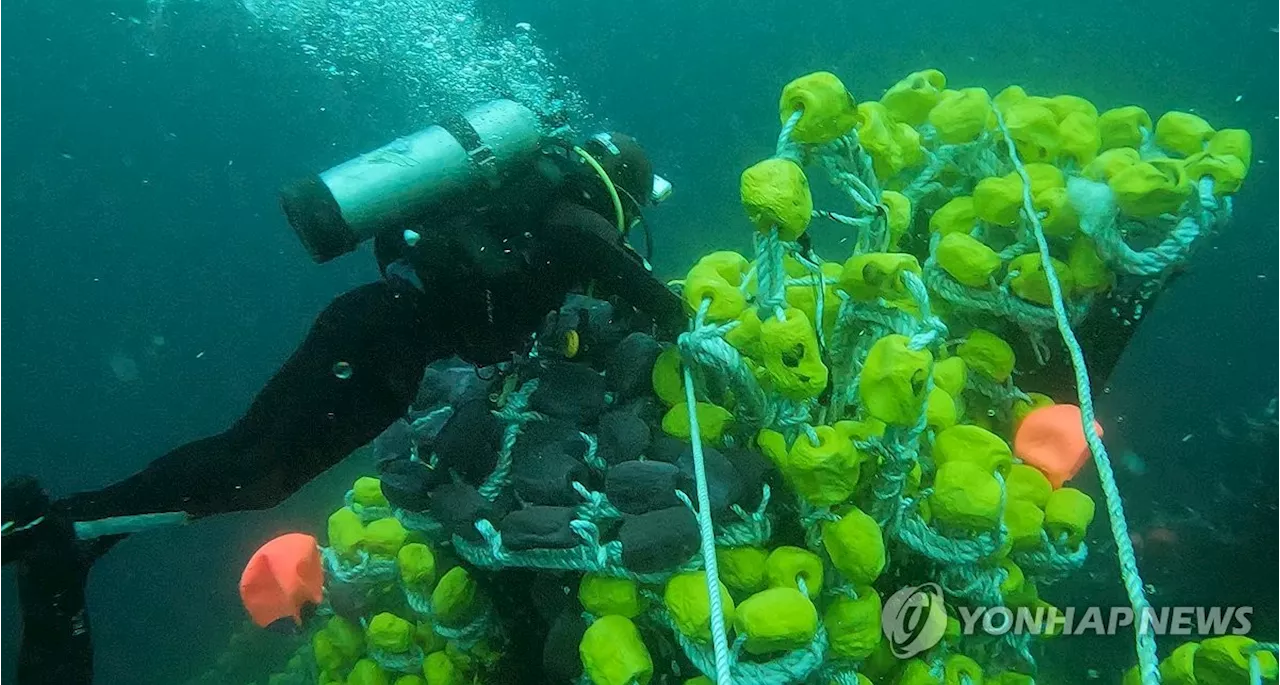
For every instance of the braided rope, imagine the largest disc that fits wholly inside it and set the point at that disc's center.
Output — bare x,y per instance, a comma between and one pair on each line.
787,148
427,419
595,507
591,557
929,328
1023,245
707,535
366,513
1255,666
1148,662
754,528
860,224
369,570
1151,261
973,582
977,158
811,519
770,275
420,603
513,413
849,168
820,299
468,635
409,661
847,676
997,302
794,666
420,522
927,542
1050,562
592,453
704,347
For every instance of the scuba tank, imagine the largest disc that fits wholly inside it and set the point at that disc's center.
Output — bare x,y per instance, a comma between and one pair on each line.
335,211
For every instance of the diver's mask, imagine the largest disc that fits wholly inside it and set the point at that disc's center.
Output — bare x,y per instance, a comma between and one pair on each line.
628,167
661,190
627,174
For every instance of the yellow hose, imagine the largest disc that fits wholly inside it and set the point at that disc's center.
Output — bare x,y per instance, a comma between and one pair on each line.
608,183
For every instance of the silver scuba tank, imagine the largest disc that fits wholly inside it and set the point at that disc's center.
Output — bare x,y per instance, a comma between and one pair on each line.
396,184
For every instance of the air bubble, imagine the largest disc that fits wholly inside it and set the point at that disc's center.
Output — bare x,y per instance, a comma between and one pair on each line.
440,53
342,370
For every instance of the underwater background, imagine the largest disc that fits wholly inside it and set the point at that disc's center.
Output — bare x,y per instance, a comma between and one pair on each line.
152,285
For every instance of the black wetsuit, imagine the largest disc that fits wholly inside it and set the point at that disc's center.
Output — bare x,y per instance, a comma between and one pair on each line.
486,279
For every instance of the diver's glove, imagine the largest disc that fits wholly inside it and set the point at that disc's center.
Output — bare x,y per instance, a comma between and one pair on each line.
35,527
53,567
26,511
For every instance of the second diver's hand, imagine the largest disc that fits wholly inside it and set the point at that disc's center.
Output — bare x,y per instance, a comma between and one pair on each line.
26,508
53,568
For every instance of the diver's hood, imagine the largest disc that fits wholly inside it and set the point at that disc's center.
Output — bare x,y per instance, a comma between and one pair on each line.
627,165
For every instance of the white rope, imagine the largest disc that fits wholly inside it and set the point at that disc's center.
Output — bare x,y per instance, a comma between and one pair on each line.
1255,667
856,188
400,662
591,555
369,570
1151,261
706,531
820,298
770,275
787,149
1148,662
753,530
514,415
856,223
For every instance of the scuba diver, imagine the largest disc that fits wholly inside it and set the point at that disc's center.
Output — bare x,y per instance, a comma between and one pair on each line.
481,226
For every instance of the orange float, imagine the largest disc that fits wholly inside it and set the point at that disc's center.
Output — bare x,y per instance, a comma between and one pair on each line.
1052,440
281,579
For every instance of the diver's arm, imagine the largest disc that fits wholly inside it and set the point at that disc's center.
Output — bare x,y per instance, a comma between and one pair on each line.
307,418
591,244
